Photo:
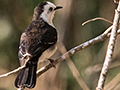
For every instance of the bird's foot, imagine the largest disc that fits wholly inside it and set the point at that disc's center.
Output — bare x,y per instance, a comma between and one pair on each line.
51,61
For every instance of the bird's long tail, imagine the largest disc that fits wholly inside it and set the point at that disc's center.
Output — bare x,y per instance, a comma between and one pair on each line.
26,77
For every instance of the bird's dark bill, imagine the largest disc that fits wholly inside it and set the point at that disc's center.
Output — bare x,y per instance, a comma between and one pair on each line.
58,7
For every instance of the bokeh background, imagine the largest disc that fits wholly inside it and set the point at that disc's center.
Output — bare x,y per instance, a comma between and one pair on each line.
16,15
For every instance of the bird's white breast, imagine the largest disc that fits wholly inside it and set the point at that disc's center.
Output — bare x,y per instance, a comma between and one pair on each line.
48,53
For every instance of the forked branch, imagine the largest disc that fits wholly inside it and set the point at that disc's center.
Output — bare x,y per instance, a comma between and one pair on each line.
97,39
110,50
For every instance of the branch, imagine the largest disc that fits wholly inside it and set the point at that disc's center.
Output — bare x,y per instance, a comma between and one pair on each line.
16,70
9,73
73,69
74,50
99,38
98,18
110,50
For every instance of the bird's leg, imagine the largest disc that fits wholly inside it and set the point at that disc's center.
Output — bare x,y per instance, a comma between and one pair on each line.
51,61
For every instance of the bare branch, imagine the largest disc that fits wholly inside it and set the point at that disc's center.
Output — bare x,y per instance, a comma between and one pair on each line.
98,18
19,68
97,39
74,50
110,50
73,69
16,70
103,36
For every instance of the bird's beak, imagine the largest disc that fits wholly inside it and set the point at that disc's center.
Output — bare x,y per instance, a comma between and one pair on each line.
58,7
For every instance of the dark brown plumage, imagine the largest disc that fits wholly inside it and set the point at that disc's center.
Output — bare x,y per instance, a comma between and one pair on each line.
37,38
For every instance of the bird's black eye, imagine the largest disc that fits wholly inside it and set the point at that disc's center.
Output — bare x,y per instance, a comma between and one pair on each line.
50,9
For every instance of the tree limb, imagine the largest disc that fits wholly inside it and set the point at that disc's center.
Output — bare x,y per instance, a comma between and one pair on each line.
97,39
110,50
73,69
15,70
74,50
84,45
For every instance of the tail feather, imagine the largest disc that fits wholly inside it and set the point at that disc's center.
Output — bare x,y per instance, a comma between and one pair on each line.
26,77
31,81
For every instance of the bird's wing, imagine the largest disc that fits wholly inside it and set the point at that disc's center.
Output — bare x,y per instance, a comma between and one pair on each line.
35,40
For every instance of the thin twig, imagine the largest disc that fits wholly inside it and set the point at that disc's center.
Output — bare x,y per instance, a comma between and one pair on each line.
98,18
73,69
11,72
110,50
16,70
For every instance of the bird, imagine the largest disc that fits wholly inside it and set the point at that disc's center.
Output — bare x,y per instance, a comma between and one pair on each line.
37,42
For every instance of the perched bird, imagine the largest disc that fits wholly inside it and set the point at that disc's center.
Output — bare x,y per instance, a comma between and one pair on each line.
37,42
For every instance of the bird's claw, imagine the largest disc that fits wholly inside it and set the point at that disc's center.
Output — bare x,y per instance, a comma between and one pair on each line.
51,61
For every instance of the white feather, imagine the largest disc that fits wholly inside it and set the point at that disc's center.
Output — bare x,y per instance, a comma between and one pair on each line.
46,15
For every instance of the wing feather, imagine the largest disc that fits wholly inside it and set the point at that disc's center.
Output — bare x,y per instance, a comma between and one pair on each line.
35,40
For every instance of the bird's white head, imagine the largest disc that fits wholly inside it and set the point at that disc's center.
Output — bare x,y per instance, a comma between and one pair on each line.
48,12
